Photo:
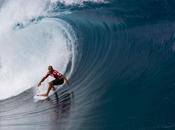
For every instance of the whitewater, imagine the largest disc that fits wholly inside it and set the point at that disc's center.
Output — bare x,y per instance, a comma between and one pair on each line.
28,47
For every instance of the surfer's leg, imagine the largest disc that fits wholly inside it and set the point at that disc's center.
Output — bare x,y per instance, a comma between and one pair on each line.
51,86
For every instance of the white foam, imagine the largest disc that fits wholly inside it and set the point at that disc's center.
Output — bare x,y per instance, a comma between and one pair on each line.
14,11
79,2
26,53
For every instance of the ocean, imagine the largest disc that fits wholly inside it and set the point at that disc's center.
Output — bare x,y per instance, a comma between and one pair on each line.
119,57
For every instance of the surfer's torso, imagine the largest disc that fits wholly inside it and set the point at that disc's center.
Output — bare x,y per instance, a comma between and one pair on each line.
55,74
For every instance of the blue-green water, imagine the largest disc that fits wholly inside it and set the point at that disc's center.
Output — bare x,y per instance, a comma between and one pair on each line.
123,76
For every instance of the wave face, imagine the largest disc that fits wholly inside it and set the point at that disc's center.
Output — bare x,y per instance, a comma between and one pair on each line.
118,55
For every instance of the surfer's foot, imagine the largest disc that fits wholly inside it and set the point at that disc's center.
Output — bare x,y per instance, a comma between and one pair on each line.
43,95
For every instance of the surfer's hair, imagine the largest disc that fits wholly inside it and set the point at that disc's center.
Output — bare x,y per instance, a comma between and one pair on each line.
50,66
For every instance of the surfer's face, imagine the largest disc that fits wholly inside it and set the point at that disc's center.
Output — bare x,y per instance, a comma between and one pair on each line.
50,68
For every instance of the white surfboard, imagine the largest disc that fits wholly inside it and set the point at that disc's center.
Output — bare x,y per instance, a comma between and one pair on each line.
37,97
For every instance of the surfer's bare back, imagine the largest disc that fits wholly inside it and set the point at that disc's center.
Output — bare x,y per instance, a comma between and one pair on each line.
59,79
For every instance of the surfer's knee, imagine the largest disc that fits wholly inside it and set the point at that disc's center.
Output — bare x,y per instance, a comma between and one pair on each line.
50,84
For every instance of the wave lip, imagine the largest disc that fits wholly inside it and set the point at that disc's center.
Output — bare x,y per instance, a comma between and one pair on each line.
77,2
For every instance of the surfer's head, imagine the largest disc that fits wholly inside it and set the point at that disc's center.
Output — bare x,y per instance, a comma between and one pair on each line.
50,68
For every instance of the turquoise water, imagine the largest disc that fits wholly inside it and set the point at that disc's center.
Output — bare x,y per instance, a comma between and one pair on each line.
121,76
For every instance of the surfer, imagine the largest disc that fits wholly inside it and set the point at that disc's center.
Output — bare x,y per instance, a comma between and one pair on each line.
59,79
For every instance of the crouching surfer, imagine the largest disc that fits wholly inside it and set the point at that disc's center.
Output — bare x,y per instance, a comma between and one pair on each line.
59,79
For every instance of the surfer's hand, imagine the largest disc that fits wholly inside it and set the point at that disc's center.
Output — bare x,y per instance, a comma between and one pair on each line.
67,82
39,84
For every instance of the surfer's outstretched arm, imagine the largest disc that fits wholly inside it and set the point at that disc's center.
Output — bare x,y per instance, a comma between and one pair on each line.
45,77
65,79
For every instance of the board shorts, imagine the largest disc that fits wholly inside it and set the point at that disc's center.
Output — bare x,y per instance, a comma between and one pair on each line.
57,81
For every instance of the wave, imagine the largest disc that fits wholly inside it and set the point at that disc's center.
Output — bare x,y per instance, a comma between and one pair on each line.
26,52
119,59
127,70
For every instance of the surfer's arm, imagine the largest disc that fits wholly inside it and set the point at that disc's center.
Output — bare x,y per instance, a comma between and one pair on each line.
65,79
45,77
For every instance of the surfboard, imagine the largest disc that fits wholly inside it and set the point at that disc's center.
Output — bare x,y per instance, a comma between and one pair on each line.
59,90
37,97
